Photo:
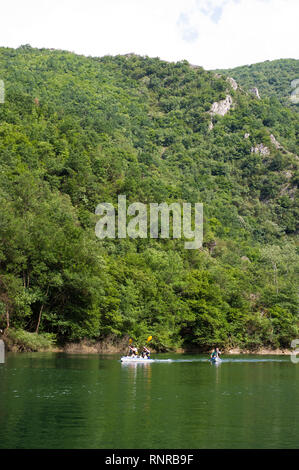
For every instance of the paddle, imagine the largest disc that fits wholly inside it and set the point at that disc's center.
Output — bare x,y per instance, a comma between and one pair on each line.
130,342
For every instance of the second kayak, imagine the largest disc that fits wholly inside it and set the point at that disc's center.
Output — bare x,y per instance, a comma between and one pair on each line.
215,360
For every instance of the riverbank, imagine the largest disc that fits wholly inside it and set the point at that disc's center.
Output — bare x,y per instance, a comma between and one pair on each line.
20,341
23,341
236,351
110,346
263,351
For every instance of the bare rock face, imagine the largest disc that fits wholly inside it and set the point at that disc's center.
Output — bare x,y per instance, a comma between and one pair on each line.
255,92
233,83
194,66
295,93
130,54
275,142
246,135
260,148
222,107
278,146
211,125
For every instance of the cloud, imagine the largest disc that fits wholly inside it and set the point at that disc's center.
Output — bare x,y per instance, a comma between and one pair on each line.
237,32
213,8
211,33
188,32
216,15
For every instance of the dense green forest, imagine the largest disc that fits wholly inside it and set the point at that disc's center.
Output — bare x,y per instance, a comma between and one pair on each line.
76,131
274,79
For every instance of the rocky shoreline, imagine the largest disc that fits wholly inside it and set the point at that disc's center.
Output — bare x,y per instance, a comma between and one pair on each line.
84,347
112,345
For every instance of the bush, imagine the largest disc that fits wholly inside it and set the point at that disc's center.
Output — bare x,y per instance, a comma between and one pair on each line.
21,340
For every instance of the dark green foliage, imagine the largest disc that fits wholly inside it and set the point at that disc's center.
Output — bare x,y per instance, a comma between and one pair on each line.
77,131
272,78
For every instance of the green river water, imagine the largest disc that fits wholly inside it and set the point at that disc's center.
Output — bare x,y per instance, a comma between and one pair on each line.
66,401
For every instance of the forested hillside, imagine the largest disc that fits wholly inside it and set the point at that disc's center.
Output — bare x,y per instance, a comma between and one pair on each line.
76,131
274,79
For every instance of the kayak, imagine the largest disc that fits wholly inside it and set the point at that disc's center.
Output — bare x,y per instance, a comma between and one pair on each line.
135,359
215,360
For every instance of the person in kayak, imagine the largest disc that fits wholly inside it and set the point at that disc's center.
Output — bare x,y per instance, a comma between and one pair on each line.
215,354
133,351
146,352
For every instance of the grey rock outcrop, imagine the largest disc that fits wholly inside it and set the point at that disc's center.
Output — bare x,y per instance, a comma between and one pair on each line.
232,82
275,142
222,107
255,91
278,146
261,149
192,66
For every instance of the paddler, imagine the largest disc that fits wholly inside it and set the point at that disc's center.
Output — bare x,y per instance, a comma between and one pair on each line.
146,352
133,351
215,353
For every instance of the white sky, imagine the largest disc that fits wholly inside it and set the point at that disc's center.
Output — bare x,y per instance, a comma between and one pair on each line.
210,33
